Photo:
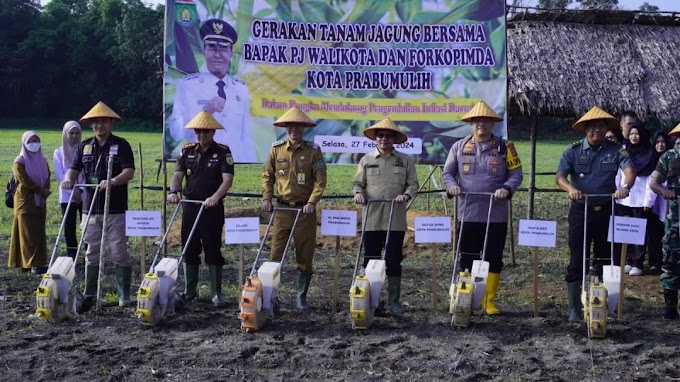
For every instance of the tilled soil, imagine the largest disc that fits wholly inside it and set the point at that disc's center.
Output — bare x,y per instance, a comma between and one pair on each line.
206,343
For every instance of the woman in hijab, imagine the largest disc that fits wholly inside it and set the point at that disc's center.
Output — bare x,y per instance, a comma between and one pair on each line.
71,136
644,157
657,214
28,245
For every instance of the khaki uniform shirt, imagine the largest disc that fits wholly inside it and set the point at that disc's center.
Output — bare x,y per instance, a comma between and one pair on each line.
385,177
299,174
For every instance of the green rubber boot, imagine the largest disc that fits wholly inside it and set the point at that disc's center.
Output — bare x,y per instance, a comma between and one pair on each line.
216,285
575,305
302,288
90,294
191,277
394,292
123,280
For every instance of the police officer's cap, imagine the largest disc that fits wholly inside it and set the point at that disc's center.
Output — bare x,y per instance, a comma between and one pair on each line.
218,32
204,121
100,110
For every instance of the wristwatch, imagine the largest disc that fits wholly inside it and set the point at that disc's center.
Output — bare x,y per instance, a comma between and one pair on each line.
626,186
172,192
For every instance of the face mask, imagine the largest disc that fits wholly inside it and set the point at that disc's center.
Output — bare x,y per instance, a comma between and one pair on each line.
33,147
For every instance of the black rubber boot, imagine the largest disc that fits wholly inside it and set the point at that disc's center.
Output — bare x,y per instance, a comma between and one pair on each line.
191,277
575,305
670,309
216,285
393,294
90,295
302,288
123,281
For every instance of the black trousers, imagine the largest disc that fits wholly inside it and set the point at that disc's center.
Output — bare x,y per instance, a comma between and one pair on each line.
208,234
70,226
472,245
374,242
596,234
655,231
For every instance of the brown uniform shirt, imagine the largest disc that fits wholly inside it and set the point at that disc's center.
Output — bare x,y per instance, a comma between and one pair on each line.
299,174
385,177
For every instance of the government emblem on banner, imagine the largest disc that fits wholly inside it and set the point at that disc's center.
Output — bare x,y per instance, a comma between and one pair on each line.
185,13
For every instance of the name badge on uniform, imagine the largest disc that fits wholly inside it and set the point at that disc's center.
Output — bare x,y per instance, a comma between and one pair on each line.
87,150
113,150
94,180
301,177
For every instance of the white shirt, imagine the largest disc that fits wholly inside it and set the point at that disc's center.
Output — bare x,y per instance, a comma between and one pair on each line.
194,92
60,169
638,196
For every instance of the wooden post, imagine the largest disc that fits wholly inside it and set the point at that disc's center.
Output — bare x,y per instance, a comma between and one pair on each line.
142,250
422,186
434,279
622,263
512,232
444,197
336,275
535,251
532,173
241,251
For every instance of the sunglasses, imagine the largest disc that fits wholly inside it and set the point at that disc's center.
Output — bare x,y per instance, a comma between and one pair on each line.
384,135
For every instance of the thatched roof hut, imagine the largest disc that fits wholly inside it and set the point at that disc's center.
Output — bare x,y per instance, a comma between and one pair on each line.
562,62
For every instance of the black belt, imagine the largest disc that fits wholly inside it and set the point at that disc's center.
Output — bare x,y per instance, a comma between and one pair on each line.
594,207
290,204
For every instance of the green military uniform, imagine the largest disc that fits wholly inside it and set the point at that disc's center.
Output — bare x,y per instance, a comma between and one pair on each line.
668,170
300,177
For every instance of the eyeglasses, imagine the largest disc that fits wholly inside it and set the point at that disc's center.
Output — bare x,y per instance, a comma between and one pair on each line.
610,138
384,135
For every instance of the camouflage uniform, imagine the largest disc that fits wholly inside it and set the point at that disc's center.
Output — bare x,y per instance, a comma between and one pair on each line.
668,169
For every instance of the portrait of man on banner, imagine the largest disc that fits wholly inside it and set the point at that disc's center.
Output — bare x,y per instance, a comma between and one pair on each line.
213,90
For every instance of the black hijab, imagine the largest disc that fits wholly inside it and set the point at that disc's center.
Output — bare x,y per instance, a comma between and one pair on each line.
642,154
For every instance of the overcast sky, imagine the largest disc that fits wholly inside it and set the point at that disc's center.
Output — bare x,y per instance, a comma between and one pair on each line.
664,5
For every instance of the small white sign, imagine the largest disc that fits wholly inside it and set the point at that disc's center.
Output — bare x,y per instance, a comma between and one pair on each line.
142,223
628,230
433,229
338,223
242,230
537,233
352,144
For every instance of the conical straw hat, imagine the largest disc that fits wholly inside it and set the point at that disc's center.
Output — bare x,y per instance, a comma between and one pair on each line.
595,114
204,121
100,110
294,115
481,110
385,124
675,131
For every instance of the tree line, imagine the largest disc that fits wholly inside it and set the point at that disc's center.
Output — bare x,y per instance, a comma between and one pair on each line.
61,59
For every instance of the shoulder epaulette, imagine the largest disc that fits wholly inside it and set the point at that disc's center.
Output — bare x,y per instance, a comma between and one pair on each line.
312,144
278,143
235,80
576,144
189,145
191,76
223,147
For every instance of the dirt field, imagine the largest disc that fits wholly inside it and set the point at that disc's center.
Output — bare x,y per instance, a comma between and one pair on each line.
207,344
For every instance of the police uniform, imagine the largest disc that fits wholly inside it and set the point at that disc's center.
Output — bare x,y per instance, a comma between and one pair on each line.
592,170
203,178
483,167
385,177
300,177
92,159
194,92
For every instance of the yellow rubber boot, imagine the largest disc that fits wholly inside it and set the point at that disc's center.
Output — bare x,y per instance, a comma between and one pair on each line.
488,304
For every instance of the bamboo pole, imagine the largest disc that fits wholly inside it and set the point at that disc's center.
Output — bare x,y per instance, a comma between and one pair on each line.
142,250
535,251
434,279
532,171
622,263
336,275
512,232
241,266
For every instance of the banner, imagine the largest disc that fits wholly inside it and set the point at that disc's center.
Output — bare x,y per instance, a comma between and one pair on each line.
347,64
